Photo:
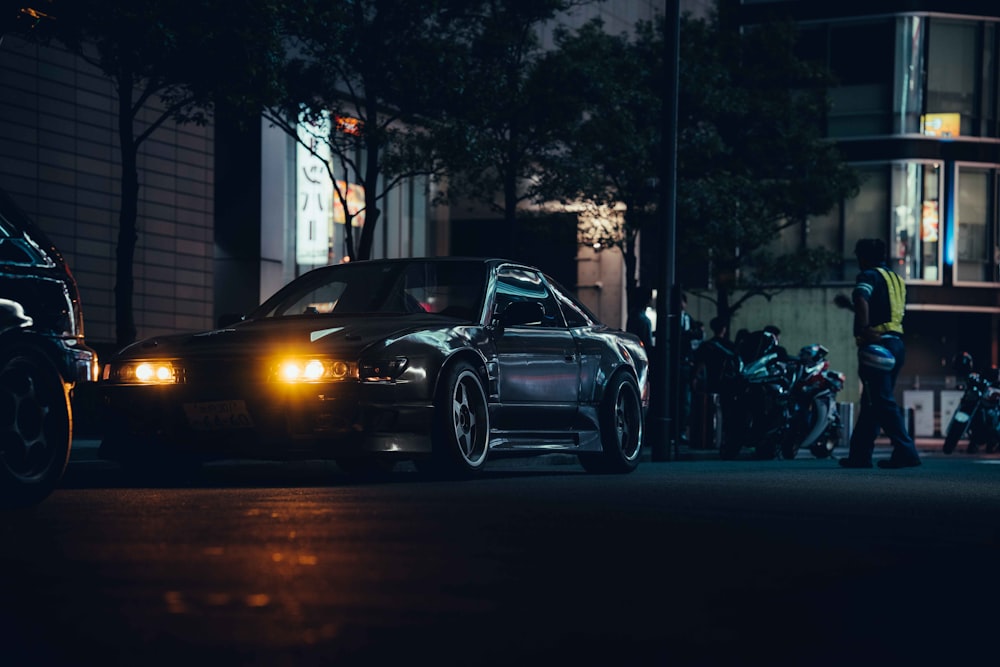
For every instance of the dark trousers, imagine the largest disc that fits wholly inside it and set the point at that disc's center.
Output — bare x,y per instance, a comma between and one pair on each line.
879,410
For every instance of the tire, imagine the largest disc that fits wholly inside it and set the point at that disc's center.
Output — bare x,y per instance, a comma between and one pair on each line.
461,430
622,428
36,429
827,442
956,429
791,443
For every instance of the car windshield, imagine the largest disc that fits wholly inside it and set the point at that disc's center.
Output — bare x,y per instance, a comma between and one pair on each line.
448,288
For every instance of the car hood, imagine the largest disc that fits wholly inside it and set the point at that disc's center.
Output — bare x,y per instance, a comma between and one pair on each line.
306,335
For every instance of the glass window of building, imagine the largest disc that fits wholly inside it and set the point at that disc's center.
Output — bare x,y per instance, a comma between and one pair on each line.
975,251
865,215
915,241
953,69
861,61
908,105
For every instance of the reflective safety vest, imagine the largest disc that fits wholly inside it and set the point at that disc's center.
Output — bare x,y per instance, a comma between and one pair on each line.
897,302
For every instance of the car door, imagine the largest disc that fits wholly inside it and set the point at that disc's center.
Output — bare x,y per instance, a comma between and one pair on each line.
538,364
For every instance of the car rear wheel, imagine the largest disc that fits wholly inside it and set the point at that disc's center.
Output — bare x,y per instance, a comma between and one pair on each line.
35,428
621,426
461,423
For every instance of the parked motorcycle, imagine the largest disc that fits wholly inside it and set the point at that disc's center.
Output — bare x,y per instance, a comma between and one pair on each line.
978,411
814,420
756,408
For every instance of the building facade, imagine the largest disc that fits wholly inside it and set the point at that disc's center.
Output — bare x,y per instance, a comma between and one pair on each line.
225,214
915,110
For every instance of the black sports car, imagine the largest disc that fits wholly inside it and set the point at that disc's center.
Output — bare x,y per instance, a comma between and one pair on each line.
43,357
443,361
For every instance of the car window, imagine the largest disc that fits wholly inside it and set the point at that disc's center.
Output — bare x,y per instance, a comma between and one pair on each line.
516,284
451,289
447,288
576,314
16,250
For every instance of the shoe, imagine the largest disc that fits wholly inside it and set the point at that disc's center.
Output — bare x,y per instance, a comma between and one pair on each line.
850,463
891,464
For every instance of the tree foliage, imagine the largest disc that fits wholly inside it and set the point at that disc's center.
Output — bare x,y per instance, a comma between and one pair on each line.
752,158
501,111
751,162
358,87
611,151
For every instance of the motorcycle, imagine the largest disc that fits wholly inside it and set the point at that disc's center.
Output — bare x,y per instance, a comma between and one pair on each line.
756,409
814,420
978,410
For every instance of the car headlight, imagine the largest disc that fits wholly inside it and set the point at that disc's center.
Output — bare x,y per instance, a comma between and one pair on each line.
314,369
143,372
382,370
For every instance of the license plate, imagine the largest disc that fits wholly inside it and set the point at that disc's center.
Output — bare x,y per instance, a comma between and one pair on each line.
217,415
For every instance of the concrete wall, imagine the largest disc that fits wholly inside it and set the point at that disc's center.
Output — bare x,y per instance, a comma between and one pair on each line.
805,316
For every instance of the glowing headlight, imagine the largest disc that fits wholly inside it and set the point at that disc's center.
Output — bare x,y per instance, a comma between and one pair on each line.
313,370
143,372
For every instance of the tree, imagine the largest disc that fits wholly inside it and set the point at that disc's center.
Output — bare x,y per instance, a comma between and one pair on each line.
751,161
155,53
610,150
359,85
493,127
752,158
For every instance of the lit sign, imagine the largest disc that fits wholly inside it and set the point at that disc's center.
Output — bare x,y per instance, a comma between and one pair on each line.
355,196
312,215
929,222
941,124
348,125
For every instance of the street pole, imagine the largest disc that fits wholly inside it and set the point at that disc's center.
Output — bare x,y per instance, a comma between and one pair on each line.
665,372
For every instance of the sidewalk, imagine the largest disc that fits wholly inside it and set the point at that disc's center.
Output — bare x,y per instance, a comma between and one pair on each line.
926,447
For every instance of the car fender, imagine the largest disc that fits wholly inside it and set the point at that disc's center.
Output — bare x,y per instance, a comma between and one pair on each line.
428,354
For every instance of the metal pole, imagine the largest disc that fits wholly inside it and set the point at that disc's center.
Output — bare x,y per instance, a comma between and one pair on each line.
666,357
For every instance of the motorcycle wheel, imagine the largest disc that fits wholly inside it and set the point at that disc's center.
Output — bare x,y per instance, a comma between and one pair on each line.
789,450
956,429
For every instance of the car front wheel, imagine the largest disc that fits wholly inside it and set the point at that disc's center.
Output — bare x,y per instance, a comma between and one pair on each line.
621,426
461,422
35,429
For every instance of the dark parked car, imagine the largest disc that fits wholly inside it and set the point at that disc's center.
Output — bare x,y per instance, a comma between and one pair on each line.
42,358
443,361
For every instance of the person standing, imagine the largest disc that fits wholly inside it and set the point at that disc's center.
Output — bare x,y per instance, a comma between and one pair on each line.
714,359
715,363
879,300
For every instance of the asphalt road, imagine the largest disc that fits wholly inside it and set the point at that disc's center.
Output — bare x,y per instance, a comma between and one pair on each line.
701,562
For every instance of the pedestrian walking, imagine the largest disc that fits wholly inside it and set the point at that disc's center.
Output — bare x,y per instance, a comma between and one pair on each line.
878,301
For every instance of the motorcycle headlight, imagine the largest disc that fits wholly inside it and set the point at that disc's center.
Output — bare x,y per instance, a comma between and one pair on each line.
143,372
313,369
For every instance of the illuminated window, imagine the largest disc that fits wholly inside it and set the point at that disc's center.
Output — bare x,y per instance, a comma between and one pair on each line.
917,220
976,236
